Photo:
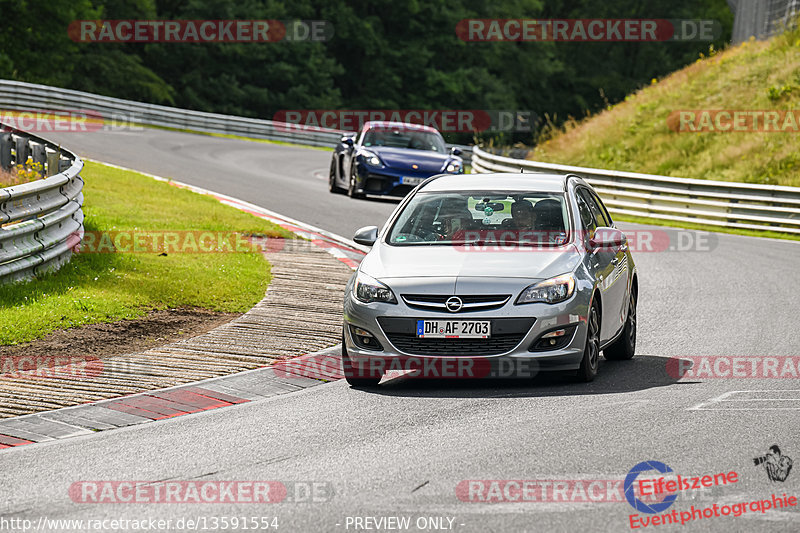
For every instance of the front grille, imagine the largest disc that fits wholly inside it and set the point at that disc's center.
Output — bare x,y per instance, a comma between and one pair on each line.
455,347
476,302
507,333
375,183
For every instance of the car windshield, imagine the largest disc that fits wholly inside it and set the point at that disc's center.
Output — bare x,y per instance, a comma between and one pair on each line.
405,138
508,218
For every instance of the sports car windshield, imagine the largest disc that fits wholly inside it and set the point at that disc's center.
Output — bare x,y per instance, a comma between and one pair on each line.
505,218
405,138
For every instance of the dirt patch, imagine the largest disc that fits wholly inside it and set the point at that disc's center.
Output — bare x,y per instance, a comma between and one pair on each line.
126,336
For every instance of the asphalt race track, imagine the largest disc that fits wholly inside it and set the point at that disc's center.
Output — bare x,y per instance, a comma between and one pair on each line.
403,450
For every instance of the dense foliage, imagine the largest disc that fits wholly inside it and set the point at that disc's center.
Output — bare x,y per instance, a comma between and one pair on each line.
386,54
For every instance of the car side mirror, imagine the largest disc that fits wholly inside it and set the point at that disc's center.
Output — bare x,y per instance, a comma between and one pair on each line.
348,141
607,238
455,150
366,236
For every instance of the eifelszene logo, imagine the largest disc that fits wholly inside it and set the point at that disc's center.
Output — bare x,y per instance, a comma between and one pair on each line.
629,488
776,464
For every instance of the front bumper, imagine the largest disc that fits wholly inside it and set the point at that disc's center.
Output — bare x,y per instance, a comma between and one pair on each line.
387,181
518,327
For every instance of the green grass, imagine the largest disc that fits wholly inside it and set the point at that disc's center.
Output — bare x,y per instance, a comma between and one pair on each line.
634,135
107,287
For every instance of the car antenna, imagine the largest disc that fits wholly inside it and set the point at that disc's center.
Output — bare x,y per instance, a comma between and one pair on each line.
522,171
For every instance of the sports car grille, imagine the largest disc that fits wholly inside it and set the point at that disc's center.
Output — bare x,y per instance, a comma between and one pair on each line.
477,302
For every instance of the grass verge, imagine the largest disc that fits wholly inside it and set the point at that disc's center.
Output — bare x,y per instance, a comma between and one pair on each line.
106,287
635,136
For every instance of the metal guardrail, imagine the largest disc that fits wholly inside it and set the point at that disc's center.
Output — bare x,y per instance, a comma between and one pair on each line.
40,221
713,203
20,96
762,18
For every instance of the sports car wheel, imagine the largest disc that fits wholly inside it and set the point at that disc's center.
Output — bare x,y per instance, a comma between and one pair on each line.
351,189
332,187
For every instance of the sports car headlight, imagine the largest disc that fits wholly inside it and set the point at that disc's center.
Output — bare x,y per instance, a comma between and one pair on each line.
371,158
549,291
368,289
454,166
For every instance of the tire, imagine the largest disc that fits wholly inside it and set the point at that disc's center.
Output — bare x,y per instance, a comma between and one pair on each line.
591,352
624,347
332,187
353,375
351,188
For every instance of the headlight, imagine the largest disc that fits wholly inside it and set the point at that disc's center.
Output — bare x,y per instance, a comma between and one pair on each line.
549,291
455,166
368,289
371,158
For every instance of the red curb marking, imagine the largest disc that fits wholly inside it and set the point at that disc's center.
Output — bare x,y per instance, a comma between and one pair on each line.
149,403
328,244
166,403
7,441
116,406
196,401
349,262
215,395
160,405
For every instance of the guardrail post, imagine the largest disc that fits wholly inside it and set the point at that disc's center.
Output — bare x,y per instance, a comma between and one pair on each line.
39,156
21,151
5,151
52,163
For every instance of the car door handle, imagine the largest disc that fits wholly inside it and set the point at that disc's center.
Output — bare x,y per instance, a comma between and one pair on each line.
615,261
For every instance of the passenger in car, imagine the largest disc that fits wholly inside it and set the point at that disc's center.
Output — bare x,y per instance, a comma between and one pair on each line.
548,216
523,216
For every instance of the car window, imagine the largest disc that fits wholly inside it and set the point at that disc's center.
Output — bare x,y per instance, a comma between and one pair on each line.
598,214
405,138
609,221
585,211
533,218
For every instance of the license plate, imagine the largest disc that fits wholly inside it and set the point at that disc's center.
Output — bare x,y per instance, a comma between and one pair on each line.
453,329
407,180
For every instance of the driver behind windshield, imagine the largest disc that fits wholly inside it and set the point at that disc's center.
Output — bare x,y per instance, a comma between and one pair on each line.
455,218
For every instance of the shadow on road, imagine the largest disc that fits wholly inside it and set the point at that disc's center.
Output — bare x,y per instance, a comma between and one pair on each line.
643,372
384,199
